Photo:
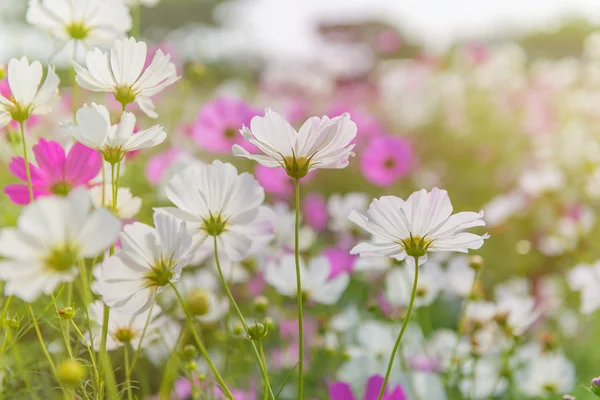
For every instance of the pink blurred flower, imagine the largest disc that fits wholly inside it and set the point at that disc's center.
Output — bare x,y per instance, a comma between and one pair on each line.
276,181
217,125
341,391
387,159
314,211
367,124
388,41
341,261
158,164
55,173
476,53
167,48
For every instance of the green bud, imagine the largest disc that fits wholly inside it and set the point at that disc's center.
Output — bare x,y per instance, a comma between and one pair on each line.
260,304
270,323
191,366
201,377
71,372
189,352
237,329
257,331
66,313
476,262
595,386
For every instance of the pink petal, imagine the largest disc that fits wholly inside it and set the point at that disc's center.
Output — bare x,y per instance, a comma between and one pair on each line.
50,157
17,168
82,165
19,194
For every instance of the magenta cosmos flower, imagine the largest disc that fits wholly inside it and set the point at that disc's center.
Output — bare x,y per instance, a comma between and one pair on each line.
56,173
342,391
387,159
218,123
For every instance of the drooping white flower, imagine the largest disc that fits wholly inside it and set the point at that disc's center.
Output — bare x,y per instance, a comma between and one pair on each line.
586,280
150,259
217,202
200,291
122,73
421,224
93,129
29,96
316,284
50,237
84,24
320,143
339,207
127,207
399,282
124,326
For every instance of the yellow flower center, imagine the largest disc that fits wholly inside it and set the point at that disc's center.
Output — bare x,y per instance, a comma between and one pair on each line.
77,30
214,225
61,259
415,246
124,335
160,274
125,95
296,167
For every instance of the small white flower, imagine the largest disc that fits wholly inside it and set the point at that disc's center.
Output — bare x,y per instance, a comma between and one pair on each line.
127,207
459,276
518,313
340,206
320,143
399,282
316,284
122,73
150,259
93,129
124,326
217,202
285,233
29,96
546,375
86,23
52,234
586,279
486,378
162,347
422,223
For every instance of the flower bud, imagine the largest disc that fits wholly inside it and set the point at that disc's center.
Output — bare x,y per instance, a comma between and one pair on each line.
270,323
201,377
198,302
595,386
476,262
189,352
191,366
237,329
66,313
13,322
257,331
70,372
568,397
260,304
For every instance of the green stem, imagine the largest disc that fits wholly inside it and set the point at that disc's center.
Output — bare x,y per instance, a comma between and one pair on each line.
139,347
27,171
299,295
41,340
200,344
264,360
262,365
63,333
89,347
127,372
404,325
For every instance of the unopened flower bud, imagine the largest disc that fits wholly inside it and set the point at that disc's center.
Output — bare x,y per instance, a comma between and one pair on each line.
191,366
13,322
70,372
595,386
67,313
476,262
237,329
270,323
257,331
189,352
201,377
198,302
261,303
568,397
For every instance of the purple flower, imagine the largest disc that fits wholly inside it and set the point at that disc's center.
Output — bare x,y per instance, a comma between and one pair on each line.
341,261
314,211
387,159
342,391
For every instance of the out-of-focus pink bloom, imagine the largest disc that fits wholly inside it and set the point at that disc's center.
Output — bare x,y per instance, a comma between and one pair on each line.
276,181
342,391
540,117
167,48
367,124
476,53
388,41
239,394
387,159
341,261
424,363
256,285
55,173
158,164
217,125
314,211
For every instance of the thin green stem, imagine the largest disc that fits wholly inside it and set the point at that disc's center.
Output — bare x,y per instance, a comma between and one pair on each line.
27,171
262,365
139,347
63,331
266,377
41,340
404,325
299,295
127,372
89,347
200,344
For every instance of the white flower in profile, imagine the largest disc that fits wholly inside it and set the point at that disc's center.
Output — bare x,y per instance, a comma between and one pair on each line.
84,24
122,73
124,326
200,292
340,206
150,259
423,223
546,375
93,129
29,96
316,284
52,234
217,202
586,280
399,282
320,143
127,207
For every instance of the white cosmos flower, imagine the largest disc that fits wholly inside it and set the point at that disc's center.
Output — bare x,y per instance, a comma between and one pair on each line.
421,224
285,232
217,202
29,96
124,326
340,206
316,284
51,235
127,207
167,336
459,276
486,378
84,24
399,282
150,259
93,129
320,143
586,279
546,375
122,73
518,313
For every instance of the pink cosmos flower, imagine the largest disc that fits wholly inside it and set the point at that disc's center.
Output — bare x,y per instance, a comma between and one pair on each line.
314,211
55,173
342,391
388,41
158,164
387,159
217,125
367,124
341,261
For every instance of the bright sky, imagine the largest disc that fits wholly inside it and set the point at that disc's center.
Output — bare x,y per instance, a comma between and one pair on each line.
285,26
